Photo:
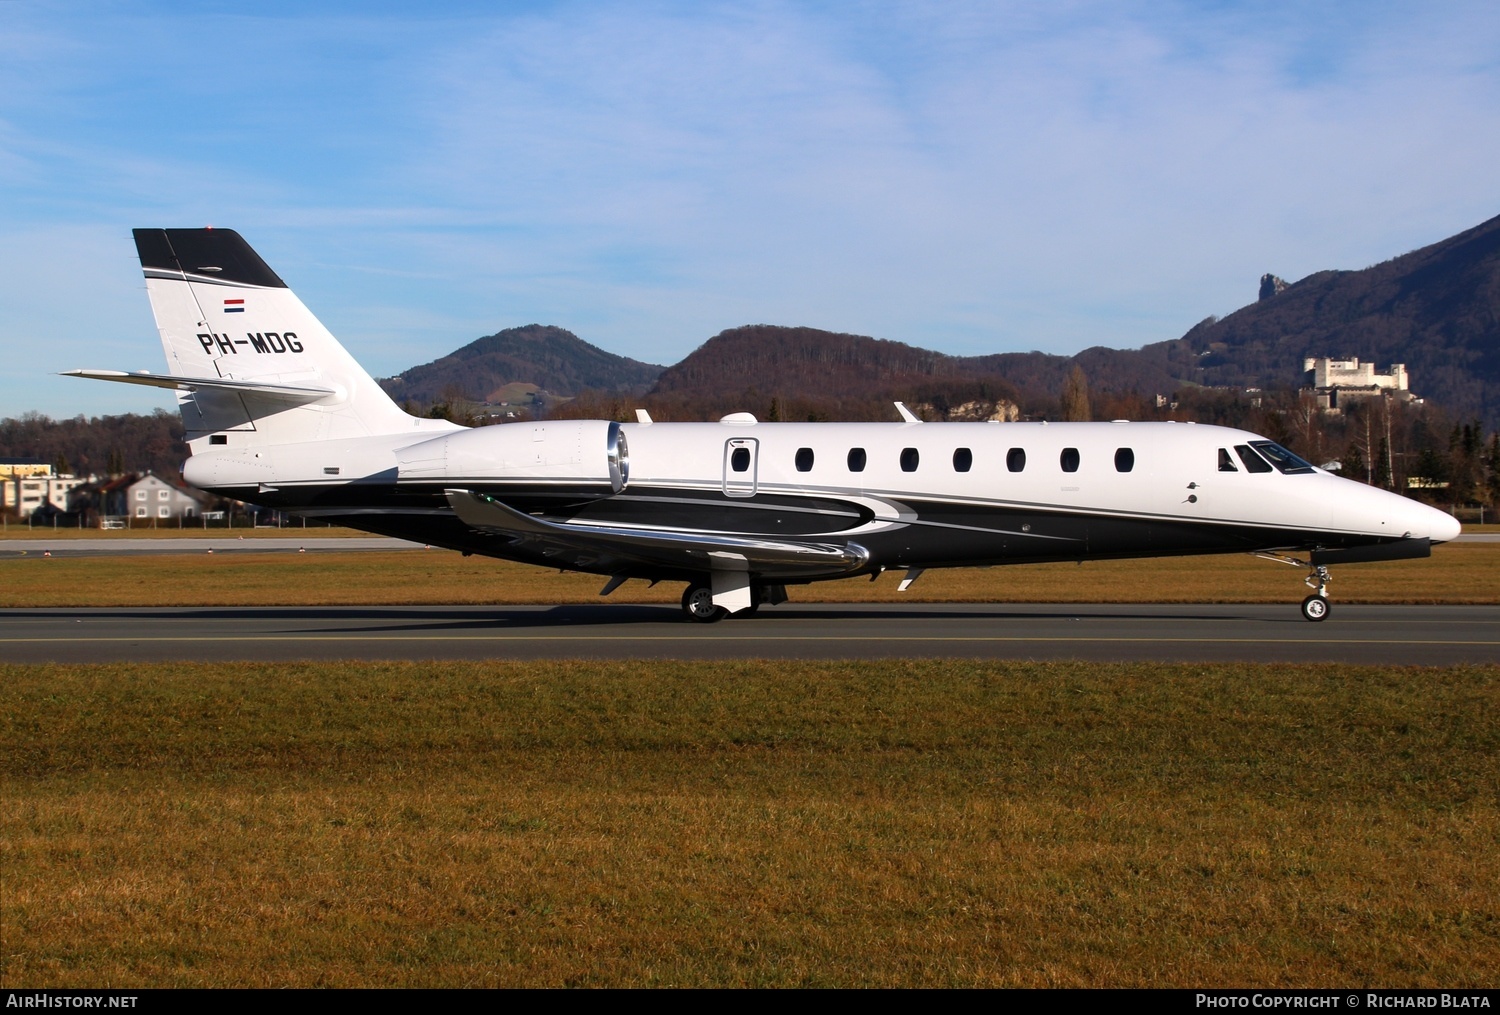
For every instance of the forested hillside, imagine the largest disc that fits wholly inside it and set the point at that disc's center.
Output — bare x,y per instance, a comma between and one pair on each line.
851,377
1436,309
102,445
551,359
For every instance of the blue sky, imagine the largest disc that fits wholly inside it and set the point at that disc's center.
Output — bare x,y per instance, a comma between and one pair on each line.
969,177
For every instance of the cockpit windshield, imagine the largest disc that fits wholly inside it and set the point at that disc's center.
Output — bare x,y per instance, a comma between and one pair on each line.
1253,462
1280,457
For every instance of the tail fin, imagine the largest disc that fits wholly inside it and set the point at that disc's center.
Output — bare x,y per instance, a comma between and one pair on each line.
224,314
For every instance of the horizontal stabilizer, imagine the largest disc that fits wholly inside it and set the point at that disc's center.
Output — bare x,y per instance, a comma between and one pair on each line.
691,551
299,393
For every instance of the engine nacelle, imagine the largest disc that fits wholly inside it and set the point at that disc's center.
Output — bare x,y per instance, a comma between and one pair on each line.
562,452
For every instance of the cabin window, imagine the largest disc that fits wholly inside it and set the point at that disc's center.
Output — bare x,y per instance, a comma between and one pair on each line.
1226,464
1124,459
1069,459
857,459
1253,462
963,460
909,459
1283,459
804,459
219,438
739,459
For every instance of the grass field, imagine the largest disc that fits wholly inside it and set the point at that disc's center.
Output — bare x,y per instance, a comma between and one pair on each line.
893,823
1455,573
23,531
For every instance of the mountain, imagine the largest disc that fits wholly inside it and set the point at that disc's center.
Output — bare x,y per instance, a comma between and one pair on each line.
839,376
548,358
802,363
1436,309
819,374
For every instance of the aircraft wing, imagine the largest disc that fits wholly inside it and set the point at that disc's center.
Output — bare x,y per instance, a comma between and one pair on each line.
287,392
609,547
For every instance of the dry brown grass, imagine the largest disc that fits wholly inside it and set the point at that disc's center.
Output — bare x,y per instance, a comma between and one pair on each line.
893,823
1456,573
293,532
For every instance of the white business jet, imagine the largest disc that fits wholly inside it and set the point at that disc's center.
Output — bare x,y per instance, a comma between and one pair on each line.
279,414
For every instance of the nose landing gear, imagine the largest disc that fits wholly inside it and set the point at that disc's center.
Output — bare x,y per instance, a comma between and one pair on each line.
1315,607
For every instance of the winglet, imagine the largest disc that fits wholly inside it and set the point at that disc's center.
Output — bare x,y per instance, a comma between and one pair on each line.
907,416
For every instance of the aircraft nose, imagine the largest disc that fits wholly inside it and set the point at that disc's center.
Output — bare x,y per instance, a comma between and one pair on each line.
1442,527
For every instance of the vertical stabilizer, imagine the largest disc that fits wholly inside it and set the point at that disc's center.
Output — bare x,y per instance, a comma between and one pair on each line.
223,313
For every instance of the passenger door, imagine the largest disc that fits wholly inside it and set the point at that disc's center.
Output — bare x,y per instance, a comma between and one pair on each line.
741,466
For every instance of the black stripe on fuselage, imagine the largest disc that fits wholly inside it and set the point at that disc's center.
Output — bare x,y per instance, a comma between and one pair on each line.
702,510
929,533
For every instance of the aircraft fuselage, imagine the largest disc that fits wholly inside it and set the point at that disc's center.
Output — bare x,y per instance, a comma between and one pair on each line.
911,495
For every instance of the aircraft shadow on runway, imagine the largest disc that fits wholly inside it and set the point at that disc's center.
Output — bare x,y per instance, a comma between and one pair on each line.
376,620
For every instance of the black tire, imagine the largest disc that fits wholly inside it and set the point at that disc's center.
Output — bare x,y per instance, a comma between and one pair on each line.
1315,608
698,605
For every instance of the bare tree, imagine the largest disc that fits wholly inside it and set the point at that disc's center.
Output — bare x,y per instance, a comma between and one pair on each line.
1075,397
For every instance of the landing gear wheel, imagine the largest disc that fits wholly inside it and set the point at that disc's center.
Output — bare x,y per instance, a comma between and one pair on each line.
698,604
1315,608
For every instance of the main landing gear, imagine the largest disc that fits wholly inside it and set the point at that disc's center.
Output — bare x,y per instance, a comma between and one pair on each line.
698,602
1315,607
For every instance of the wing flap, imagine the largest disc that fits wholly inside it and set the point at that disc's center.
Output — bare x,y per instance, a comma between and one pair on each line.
692,551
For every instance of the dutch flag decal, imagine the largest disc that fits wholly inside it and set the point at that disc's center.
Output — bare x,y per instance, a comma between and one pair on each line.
234,306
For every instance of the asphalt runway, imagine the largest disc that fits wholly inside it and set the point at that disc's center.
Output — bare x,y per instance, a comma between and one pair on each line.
1403,635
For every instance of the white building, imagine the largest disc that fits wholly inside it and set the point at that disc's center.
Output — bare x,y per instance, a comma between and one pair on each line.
152,497
1340,380
26,485
1351,373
